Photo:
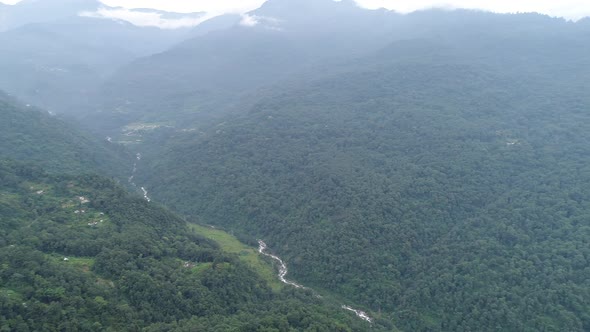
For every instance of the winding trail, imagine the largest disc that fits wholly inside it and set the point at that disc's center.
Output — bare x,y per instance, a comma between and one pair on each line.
262,249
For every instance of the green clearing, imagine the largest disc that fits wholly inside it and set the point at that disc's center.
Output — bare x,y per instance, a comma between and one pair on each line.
249,255
10,293
81,263
198,268
9,198
34,186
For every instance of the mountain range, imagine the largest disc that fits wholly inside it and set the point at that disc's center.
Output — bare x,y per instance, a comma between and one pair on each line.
57,53
34,11
429,169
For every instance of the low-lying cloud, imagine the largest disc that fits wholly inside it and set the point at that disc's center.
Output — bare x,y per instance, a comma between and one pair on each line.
569,9
148,18
249,20
216,7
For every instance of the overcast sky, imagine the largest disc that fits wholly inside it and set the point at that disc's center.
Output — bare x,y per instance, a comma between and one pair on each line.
571,9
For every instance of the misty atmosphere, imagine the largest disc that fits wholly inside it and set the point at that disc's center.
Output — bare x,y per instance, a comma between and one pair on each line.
294,165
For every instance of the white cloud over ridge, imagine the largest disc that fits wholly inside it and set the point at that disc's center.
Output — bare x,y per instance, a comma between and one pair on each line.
271,23
569,9
249,20
145,18
216,7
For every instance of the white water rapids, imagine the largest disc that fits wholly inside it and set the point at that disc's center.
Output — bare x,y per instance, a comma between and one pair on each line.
262,249
145,192
282,266
145,195
361,314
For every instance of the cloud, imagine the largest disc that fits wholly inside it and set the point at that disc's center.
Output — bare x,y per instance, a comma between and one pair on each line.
186,6
570,9
267,22
249,20
148,18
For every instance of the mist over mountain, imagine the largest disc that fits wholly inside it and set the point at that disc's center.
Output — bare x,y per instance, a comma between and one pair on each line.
59,65
221,22
56,53
428,170
165,14
31,135
379,176
38,11
209,72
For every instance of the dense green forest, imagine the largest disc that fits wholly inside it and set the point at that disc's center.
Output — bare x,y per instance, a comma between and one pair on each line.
79,253
32,135
429,168
430,182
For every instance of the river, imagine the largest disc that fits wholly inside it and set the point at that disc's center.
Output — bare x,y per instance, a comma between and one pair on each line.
263,249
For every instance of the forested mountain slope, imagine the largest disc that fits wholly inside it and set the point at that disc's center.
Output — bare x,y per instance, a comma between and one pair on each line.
33,11
441,179
222,71
79,253
206,76
32,135
59,65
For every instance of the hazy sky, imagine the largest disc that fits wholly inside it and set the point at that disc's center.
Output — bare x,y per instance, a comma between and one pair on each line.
571,9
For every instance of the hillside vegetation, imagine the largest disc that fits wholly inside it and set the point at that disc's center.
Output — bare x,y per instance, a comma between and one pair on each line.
430,169
442,184
78,253
31,135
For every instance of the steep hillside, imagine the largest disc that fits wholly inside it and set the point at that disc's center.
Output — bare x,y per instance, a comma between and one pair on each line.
78,253
31,135
33,11
60,65
217,23
206,76
441,180
221,72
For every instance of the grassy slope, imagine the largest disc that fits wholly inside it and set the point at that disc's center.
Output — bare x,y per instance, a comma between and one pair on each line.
248,255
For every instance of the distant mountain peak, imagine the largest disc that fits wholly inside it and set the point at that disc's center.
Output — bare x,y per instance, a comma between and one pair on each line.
38,11
42,11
